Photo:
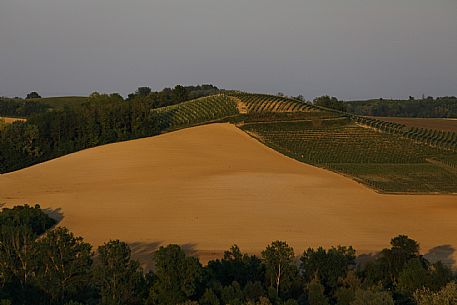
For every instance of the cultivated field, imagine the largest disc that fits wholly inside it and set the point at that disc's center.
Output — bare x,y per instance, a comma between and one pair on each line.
439,124
210,186
380,160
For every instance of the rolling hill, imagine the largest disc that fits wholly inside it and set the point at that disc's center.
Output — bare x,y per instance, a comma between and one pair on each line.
210,186
389,157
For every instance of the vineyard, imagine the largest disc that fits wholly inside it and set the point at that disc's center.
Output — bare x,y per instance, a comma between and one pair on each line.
431,137
194,112
375,158
262,103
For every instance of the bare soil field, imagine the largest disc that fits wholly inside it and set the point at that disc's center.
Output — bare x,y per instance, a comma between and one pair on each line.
439,124
211,186
11,120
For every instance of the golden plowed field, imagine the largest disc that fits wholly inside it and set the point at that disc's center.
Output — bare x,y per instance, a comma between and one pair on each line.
211,186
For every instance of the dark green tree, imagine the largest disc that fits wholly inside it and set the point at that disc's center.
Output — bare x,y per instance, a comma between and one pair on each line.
278,258
329,265
119,278
33,94
143,91
64,263
329,102
372,296
232,294
177,276
414,276
316,292
347,287
236,266
209,298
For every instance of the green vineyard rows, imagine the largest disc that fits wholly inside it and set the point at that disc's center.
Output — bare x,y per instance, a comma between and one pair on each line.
363,153
194,112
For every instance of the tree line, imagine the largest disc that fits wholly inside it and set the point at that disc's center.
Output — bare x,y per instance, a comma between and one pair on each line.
20,108
440,107
41,264
105,118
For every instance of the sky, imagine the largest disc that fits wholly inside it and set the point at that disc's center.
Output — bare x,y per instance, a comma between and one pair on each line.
352,49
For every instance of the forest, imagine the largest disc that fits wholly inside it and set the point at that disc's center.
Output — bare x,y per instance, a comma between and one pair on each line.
440,107
104,118
33,103
44,264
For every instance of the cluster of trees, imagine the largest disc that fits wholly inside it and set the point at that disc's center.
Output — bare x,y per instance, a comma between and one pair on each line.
330,102
441,107
20,108
33,94
44,265
172,96
105,118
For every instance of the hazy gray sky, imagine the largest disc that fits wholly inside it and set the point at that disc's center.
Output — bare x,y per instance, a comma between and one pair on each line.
347,48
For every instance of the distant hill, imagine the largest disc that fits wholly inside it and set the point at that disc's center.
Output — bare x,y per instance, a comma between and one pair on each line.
441,107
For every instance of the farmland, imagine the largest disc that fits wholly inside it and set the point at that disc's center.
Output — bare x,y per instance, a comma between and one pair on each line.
377,159
195,112
438,124
210,186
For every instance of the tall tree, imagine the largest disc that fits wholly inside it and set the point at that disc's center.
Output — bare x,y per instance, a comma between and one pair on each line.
177,276
119,278
64,263
329,264
278,258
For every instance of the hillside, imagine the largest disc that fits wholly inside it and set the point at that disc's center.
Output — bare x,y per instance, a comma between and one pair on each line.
210,186
387,156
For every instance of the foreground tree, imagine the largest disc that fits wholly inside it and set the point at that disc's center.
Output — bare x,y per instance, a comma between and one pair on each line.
391,262
372,296
316,292
19,228
236,266
64,263
278,258
413,276
348,286
119,278
328,265
445,296
177,276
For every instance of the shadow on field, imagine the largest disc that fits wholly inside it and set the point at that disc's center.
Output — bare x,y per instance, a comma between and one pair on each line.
441,253
142,252
55,214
